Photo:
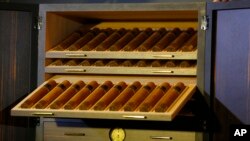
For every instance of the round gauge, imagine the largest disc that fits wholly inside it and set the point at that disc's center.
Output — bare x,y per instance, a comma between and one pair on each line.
117,134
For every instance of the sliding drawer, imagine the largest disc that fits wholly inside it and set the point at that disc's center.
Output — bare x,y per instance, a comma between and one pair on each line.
77,130
136,114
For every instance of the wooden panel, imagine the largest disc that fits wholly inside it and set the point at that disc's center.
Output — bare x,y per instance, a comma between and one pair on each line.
232,74
15,56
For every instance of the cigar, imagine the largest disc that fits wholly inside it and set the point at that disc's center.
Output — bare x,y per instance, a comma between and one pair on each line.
97,40
154,97
141,63
68,41
86,62
166,40
84,40
41,92
99,63
180,40
155,37
125,95
133,44
185,64
127,63
95,95
124,40
170,63
110,96
139,96
169,97
113,63
191,44
72,62
52,95
156,63
81,95
66,95
111,40
58,62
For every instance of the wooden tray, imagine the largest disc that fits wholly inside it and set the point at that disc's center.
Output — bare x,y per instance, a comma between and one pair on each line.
169,115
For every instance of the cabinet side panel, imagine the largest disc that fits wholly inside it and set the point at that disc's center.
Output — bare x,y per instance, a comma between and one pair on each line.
15,57
232,78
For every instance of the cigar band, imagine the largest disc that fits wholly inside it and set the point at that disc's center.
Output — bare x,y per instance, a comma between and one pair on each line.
77,87
178,89
48,86
147,88
118,87
105,87
134,88
89,87
162,88
62,86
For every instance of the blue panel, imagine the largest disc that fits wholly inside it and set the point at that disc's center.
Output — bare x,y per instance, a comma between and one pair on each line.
232,77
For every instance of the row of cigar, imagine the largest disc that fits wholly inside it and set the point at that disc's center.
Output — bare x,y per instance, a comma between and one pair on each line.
134,39
124,63
106,96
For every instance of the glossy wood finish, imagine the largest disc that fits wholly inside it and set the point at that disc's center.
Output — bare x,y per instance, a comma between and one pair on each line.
15,71
228,48
232,62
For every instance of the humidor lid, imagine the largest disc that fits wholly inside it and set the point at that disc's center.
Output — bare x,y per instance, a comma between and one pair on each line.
168,115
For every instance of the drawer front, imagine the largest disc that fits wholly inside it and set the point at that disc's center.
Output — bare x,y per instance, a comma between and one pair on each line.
158,135
77,131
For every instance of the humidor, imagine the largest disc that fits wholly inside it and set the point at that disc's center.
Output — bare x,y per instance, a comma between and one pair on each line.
59,21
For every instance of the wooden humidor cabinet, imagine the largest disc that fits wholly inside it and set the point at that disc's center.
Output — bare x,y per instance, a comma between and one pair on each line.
59,21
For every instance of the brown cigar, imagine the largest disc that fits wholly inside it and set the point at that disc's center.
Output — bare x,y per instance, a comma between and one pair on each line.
191,44
110,96
155,37
113,63
97,40
156,63
68,41
166,40
100,63
124,40
58,62
170,63
185,64
84,40
52,95
66,95
180,40
95,95
127,63
141,37
139,96
81,95
72,62
111,40
154,97
125,96
86,62
169,97
39,94
141,63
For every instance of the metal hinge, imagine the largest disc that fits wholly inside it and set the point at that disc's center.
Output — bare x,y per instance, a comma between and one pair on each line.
204,23
39,23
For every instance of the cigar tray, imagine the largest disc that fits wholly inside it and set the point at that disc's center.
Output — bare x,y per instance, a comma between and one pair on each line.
134,115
